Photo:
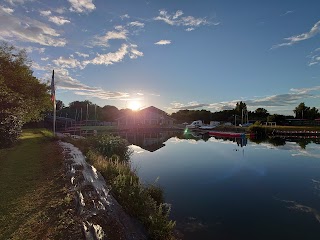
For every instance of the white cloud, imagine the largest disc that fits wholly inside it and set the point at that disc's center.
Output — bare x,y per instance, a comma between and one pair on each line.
114,57
14,2
66,82
81,6
134,52
45,59
136,24
28,30
45,13
67,62
189,29
314,57
177,14
286,13
104,40
30,49
301,37
109,58
163,42
190,105
58,20
124,16
7,10
60,10
82,54
176,19
279,101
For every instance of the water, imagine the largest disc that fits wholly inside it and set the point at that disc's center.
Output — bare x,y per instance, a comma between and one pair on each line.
220,189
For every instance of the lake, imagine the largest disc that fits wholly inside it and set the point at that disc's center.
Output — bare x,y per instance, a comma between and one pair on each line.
234,188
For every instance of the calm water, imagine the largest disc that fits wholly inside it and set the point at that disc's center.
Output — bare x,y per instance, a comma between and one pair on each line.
220,189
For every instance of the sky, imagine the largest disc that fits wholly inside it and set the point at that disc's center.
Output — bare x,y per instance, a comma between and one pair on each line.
172,54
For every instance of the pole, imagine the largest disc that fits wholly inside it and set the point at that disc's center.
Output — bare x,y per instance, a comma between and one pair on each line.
53,99
242,116
54,116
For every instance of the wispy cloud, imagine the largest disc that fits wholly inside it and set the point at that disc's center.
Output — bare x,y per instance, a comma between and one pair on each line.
30,49
136,24
189,29
82,54
163,42
19,2
314,57
28,30
45,13
114,57
6,9
58,20
190,105
280,100
66,82
286,13
301,37
81,6
177,19
124,16
104,39
67,62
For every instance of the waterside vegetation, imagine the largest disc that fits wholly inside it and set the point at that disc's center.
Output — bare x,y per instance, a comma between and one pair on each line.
110,156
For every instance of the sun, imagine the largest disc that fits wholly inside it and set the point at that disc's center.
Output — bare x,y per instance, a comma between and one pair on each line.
134,105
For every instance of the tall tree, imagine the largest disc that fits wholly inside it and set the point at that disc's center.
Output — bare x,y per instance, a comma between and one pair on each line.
22,97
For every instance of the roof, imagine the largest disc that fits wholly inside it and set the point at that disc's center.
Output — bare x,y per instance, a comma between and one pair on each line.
151,108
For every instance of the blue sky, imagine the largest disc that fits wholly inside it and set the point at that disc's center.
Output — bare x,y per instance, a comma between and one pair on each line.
172,54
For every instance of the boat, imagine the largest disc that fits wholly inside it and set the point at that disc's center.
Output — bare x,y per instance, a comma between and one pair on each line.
195,124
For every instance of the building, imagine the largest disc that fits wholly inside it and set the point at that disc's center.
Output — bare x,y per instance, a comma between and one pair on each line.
147,117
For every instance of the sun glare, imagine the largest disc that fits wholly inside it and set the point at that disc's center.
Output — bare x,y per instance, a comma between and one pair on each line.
134,105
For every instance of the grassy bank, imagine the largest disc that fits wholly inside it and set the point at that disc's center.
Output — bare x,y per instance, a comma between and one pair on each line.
34,203
110,155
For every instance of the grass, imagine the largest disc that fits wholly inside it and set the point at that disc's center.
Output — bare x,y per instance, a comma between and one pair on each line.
34,203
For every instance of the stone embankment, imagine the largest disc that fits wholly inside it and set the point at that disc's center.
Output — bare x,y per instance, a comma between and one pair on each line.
101,215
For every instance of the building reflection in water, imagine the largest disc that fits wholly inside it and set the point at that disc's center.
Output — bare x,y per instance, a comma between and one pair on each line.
148,140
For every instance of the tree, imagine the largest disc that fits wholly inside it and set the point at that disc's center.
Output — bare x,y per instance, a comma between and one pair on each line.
59,105
301,110
240,106
22,97
304,112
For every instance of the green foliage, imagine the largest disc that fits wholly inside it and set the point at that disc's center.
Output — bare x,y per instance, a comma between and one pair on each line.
304,112
143,202
108,145
22,97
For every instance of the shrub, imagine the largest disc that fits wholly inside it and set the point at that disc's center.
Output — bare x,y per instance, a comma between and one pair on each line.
108,145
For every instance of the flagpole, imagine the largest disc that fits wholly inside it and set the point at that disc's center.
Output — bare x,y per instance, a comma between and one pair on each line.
54,116
53,98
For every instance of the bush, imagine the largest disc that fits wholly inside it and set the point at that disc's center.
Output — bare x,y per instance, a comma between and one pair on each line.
108,146
10,129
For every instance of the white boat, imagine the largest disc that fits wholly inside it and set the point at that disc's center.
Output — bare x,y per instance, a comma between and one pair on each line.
195,124
212,125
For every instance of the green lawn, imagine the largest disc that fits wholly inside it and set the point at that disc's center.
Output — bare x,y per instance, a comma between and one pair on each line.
34,203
